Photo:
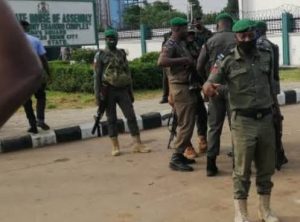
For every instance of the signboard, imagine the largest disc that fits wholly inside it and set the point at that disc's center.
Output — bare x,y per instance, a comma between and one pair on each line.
59,23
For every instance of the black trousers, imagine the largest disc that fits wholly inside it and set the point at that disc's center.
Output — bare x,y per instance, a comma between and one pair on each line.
165,85
40,96
201,121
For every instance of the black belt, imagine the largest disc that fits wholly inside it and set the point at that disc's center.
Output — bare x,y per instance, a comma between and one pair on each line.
254,113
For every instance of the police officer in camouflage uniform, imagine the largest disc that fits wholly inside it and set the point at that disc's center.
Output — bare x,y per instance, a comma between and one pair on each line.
179,61
113,84
247,72
263,42
218,45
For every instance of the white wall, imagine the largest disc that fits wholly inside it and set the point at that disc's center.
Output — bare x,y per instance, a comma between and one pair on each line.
133,47
295,49
255,5
277,39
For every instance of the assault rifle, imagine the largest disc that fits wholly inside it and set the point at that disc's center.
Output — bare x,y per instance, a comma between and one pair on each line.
172,127
281,159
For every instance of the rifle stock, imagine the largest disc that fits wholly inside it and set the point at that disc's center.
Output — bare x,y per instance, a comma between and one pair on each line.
173,127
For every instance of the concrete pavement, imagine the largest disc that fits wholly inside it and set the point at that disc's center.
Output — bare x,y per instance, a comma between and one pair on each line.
81,181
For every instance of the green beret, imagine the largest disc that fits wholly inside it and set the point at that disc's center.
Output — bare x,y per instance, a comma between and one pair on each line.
261,25
244,25
110,33
177,21
223,16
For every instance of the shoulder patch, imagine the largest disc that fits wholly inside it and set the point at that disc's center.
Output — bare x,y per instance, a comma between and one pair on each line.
170,42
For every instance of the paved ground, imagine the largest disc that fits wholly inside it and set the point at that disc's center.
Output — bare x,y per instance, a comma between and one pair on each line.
18,124
80,181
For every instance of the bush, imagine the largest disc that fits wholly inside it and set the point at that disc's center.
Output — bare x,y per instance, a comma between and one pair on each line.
79,77
83,55
71,78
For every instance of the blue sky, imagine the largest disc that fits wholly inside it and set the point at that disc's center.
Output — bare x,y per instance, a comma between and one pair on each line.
207,5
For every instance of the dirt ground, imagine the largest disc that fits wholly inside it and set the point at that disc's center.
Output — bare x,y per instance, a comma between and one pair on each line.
82,182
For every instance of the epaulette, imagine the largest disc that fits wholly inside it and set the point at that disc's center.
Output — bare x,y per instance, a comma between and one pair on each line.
263,47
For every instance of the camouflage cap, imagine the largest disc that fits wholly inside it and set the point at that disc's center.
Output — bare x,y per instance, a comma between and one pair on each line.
261,25
244,25
224,16
110,33
178,21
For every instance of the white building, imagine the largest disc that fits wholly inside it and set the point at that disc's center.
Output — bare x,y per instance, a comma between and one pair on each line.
269,10
265,6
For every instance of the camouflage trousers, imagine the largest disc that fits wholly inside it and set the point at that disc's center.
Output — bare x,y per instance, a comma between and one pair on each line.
254,141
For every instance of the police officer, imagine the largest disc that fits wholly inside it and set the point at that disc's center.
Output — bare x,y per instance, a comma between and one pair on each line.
263,42
196,82
179,60
247,72
40,94
113,84
202,33
218,45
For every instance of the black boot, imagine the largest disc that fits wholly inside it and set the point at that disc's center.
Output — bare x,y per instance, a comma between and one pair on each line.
178,163
33,129
211,167
43,125
163,100
188,161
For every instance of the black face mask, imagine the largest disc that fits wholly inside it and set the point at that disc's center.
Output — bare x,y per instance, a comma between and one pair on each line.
247,46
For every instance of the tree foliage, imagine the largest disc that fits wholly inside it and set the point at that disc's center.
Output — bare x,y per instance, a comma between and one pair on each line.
197,9
156,14
232,7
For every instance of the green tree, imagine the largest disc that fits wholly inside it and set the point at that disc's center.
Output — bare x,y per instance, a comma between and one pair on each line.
132,15
197,9
209,18
232,7
154,15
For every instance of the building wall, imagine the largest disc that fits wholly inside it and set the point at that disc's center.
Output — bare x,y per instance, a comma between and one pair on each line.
255,5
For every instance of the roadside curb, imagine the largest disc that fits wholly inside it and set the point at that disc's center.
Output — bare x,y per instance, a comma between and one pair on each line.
83,131
146,121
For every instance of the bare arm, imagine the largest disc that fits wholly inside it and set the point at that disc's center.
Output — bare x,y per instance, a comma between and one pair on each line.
202,60
45,64
20,70
98,72
164,59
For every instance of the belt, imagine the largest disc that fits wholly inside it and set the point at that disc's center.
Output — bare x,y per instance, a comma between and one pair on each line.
254,113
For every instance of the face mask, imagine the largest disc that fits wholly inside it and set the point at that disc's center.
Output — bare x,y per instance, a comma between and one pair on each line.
247,46
111,44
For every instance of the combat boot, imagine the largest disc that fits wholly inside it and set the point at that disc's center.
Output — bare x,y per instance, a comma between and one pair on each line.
241,212
202,144
179,163
264,212
211,167
138,146
116,147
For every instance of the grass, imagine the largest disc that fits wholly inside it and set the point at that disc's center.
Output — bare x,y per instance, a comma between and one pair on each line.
290,75
62,100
